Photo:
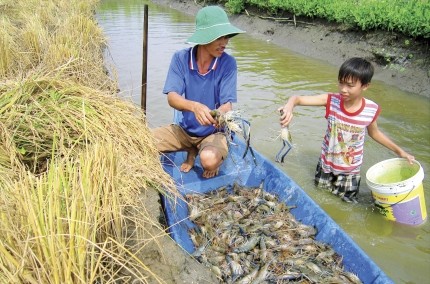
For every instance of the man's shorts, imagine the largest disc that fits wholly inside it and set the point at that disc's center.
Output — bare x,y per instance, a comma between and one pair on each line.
345,186
174,138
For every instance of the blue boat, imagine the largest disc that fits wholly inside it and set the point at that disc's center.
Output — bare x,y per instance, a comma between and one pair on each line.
251,169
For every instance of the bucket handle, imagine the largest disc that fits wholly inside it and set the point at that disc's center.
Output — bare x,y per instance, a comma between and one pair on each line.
391,205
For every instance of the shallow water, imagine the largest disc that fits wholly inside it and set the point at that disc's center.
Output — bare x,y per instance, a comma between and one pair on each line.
268,75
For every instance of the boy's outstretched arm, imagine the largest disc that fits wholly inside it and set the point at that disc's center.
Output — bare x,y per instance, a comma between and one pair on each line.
382,139
287,109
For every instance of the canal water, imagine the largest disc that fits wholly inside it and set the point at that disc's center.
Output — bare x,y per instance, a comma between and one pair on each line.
268,75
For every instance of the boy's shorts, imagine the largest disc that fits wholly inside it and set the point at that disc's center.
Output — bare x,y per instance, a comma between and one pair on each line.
345,186
174,138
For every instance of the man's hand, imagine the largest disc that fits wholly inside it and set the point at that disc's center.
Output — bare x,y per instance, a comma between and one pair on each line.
203,115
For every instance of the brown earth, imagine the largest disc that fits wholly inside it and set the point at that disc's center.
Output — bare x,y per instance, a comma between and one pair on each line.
400,61
166,259
406,66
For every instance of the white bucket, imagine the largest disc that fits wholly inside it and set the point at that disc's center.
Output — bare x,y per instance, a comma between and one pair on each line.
397,190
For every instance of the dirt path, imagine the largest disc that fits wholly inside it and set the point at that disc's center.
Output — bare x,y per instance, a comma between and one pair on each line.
409,60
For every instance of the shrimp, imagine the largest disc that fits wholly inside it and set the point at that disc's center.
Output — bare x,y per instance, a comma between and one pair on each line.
287,144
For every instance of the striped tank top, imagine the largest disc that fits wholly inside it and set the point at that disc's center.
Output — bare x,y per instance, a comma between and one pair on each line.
342,147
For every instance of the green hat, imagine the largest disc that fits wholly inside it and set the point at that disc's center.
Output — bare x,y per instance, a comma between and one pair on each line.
211,23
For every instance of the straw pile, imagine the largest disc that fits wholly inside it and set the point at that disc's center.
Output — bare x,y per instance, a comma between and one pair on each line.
74,158
42,36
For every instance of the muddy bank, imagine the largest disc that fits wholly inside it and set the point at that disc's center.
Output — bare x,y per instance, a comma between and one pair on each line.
165,258
399,61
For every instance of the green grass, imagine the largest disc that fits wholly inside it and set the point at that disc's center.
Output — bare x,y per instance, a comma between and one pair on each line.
409,17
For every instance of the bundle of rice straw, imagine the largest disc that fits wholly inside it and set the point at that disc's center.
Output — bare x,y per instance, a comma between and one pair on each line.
73,162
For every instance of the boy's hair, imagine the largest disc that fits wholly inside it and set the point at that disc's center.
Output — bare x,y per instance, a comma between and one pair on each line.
356,68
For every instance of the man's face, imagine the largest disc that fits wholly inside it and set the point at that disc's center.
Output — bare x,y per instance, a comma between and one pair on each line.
217,47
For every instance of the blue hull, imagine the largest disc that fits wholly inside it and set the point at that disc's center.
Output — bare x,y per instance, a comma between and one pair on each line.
251,171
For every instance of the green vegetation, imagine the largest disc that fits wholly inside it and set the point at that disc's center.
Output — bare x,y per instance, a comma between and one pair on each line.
410,17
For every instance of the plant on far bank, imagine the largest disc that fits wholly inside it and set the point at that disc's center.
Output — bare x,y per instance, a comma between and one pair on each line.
235,6
410,17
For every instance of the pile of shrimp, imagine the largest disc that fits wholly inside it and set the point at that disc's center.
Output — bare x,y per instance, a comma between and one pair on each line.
246,236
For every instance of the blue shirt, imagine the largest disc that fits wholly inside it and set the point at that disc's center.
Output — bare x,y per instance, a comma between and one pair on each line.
216,87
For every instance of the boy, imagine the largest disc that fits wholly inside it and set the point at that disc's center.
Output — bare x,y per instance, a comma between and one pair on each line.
349,115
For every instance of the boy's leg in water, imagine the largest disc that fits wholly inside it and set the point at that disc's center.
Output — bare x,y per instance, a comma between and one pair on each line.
347,186
323,180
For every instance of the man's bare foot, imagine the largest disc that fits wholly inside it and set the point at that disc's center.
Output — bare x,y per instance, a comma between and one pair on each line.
189,163
210,174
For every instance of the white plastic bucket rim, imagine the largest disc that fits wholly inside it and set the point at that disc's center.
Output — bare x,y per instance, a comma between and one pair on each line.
396,187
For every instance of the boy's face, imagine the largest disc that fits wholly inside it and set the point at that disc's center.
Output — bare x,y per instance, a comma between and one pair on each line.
351,89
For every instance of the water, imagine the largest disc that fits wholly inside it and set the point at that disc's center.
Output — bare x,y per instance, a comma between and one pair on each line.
268,75
395,173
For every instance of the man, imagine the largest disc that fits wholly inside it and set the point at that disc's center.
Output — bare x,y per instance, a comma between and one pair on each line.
200,79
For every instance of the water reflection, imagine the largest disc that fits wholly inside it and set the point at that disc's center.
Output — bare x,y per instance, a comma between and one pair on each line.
122,22
268,75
